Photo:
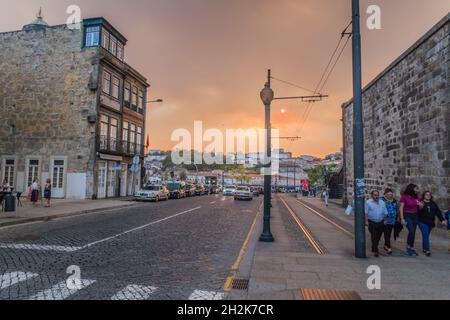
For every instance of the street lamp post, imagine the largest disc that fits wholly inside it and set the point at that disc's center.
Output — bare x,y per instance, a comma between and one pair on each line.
267,96
358,137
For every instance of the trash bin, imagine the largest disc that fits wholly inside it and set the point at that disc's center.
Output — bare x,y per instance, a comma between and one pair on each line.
10,203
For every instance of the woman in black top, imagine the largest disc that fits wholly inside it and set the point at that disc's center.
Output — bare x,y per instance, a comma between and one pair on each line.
427,220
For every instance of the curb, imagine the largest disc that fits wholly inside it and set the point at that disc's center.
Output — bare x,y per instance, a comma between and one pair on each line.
61,215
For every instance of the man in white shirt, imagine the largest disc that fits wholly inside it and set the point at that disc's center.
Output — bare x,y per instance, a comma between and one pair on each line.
376,213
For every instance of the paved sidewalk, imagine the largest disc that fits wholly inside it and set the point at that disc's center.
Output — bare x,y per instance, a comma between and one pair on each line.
282,269
59,209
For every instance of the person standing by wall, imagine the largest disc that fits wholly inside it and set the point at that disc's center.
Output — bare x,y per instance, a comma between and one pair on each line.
48,193
391,219
427,220
409,213
376,214
35,192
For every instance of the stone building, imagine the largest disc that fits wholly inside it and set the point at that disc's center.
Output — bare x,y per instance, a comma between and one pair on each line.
71,110
407,121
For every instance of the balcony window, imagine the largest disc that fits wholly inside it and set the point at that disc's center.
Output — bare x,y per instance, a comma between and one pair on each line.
113,45
116,87
127,97
141,102
139,139
92,36
134,98
106,82
105,39
120,50
113,130
132,138
104,124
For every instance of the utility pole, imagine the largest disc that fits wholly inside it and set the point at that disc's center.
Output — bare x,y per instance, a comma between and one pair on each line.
358,137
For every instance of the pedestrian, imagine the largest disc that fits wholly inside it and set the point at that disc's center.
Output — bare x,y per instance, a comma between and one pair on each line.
409,214
427,220
326,196
392,218
35,192
376,214
48,193
6,186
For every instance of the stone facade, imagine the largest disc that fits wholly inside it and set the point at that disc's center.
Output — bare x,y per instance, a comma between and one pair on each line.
407,121
50,89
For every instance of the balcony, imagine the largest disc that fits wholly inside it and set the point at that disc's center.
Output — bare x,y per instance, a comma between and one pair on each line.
115,146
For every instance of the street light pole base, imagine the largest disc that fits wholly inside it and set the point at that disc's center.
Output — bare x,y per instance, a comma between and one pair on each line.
266,238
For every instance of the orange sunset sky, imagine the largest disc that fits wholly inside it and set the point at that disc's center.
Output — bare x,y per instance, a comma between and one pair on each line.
208,58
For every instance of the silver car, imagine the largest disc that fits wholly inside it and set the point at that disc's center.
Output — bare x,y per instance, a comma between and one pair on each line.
229,191
152,193
243,193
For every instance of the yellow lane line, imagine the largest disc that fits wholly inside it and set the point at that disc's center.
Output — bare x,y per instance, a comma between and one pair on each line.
236,265
305,230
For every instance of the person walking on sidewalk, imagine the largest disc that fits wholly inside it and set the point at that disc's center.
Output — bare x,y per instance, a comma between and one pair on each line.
326,196
427,220
48,193
392,218
376,214
409,214
35,192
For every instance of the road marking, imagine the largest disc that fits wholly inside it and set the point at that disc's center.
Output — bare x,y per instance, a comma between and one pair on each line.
214,202
138,228
235,267
10,279
305,230
38,247
60,291
207,295
134,292
74,249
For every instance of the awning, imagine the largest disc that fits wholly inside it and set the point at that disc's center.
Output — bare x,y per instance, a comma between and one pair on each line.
110,157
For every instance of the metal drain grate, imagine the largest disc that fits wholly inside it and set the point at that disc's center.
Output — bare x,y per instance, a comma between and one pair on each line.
240,284
322,294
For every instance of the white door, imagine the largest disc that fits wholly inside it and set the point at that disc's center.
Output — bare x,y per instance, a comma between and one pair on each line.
123,181
111,179
101,193
58,178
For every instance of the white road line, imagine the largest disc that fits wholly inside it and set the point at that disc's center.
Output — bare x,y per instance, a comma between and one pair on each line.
207,295
38,247
60,291
134,292
74,249
10,279
214,202
138,228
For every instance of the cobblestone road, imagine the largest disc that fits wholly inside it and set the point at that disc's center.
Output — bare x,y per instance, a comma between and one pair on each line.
169,250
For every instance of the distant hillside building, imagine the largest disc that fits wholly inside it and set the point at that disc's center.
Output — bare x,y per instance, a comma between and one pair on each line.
71,110
407,121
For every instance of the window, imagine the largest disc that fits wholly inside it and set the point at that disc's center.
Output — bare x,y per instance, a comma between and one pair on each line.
92,36
33,171
105,39
141,102
113,130
127,92
113,45
139,137
104,124
106,82
58,174
120,50
134,96
132,138
9,171
116,87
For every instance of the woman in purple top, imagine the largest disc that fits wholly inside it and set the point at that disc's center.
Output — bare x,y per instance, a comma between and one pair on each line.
410,205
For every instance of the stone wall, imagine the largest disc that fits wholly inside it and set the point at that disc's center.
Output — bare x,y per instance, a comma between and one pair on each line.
407,121
44,93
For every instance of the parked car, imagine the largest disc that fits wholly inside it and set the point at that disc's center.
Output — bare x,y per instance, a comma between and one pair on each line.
243,193
152,193
176,189
190,190
200,190
229,191
255,191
